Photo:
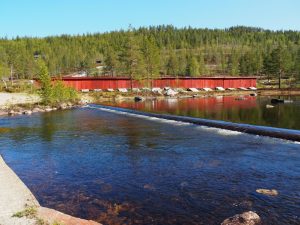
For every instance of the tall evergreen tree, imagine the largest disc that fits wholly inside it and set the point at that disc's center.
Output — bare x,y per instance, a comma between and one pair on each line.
193,68
132,59
233,64
151,59
172,64
111,61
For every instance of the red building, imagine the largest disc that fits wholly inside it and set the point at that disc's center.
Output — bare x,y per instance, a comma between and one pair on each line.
91,83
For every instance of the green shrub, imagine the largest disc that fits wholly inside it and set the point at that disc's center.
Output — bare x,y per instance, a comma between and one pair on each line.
54,92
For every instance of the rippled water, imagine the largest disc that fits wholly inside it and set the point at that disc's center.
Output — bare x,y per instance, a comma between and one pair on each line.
121,169
240,109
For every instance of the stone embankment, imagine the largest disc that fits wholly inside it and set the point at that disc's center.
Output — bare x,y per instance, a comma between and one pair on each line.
12,104
18,206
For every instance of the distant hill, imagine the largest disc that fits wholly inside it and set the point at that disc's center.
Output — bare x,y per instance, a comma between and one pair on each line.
160,50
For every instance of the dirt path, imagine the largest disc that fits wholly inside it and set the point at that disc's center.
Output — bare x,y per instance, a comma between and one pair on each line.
7,99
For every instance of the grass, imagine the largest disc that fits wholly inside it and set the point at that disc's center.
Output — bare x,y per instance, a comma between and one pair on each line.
31,213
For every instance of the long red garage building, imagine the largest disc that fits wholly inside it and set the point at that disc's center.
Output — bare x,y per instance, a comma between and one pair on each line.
91,83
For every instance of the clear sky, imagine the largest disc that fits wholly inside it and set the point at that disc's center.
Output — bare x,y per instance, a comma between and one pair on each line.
54,17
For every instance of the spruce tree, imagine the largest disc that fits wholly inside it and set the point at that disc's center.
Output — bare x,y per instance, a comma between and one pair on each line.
132,59
151,56
193,68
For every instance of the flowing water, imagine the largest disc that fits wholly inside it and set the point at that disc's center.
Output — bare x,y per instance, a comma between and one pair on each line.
125,169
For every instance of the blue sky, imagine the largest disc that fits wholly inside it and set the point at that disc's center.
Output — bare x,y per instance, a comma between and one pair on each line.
55,17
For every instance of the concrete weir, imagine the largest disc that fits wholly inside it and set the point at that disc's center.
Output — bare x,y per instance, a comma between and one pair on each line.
16,198
287,134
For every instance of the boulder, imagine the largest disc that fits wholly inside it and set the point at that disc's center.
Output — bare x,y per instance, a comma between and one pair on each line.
171,93
193,89
63,106
27,112
136,90
48,109
35,110
246,218
122,90
11,112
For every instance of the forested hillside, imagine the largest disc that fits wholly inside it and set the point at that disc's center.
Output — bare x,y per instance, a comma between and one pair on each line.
158,51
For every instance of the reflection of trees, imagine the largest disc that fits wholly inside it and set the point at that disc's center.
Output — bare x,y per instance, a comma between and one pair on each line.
48,126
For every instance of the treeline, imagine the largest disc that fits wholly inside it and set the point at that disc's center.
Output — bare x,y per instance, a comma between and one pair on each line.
158,51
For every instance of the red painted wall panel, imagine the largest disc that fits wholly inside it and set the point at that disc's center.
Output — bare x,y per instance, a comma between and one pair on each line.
203,82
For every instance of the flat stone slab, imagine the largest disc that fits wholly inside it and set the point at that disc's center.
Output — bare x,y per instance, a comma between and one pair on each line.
14,197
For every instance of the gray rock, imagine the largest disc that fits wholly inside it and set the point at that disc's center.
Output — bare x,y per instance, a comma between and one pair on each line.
63,106
246,218
27,112
48,109
170,92
11,112
35,110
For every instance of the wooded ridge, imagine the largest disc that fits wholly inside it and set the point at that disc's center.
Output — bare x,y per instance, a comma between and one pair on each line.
150,52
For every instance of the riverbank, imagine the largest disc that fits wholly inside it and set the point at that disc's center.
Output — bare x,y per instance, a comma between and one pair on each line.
23,103
12,104
18,206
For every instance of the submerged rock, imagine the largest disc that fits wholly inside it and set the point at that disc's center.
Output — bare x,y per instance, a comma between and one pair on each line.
246,218
269,106
272,192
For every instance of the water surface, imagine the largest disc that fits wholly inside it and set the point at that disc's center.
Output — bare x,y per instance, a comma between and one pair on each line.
239,109
120,169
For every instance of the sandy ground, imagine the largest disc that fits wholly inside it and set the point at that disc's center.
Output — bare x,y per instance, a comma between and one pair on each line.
7,99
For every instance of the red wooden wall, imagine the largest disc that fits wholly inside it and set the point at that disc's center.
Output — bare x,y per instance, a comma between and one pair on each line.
91,83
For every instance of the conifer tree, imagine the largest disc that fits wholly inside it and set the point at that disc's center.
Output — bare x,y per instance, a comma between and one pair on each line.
132,59
151,58
193,69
